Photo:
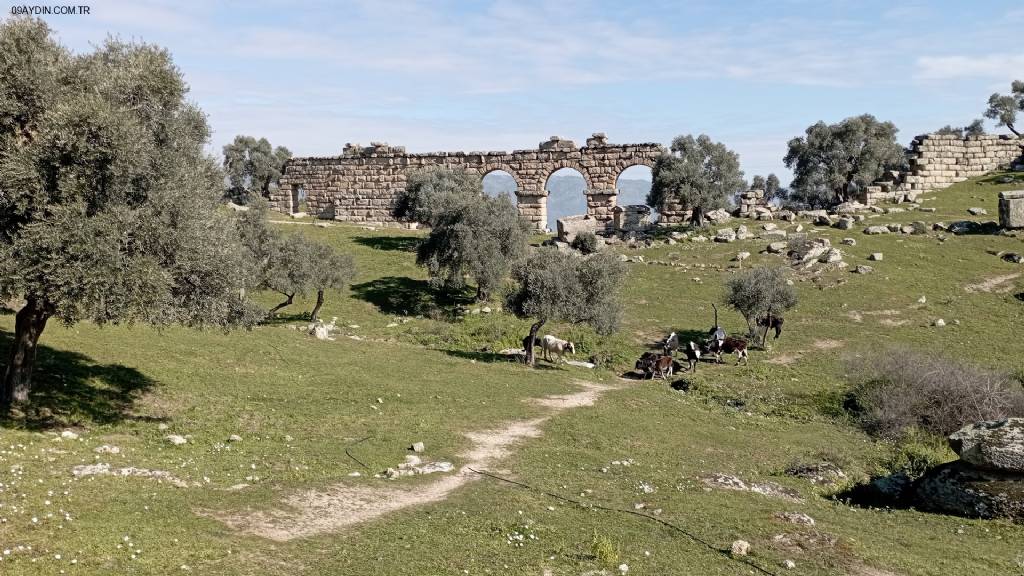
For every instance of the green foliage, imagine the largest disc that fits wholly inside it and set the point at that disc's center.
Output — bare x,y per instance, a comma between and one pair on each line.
975,128
604,550
832,161
698,173
760,292
473,236
431,193
552,286
253,167
585,243
916,452
1003,108
771,186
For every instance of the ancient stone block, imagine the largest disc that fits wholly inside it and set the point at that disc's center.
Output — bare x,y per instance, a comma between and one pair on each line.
1011,209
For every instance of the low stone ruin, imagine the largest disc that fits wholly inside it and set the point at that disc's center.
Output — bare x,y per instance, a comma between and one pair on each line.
631,218
571,226
754,205
1011,209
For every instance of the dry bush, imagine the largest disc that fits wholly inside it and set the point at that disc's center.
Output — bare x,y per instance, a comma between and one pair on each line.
897,390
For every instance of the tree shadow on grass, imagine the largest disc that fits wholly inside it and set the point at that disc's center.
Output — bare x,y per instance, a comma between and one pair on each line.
69,388
393,243
401,295
289,318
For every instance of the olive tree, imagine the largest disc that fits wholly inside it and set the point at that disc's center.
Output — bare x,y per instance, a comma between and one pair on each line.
698,173
975,128
108,204
552,286
253,167
481,239
831,161
772,187
1003,108
290,264
432,192
761,292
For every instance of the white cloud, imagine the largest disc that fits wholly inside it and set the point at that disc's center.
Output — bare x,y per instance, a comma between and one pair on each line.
993,66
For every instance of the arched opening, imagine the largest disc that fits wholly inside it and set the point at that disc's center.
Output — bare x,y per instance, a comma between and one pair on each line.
566,189
633,185
498,182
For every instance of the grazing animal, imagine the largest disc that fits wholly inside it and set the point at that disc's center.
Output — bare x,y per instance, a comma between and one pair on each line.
555,346
671,344
730,345
773,322
664,366
692,353
645,365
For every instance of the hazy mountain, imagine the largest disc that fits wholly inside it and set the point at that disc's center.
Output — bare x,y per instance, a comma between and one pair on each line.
566,198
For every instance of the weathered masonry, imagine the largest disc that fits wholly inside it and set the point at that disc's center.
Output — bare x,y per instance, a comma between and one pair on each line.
361,184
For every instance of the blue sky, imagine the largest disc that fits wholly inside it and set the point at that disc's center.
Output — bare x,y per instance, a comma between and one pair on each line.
505,75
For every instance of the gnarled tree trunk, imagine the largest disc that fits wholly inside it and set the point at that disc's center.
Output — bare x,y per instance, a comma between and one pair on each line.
534,329
319,303
28,326
697,217
287,302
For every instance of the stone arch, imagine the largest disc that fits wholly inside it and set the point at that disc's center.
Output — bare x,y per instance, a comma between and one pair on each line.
515,192
624,164
556,165
483,172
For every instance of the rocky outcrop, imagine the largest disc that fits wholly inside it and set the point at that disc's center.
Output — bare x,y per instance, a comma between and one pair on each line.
988,479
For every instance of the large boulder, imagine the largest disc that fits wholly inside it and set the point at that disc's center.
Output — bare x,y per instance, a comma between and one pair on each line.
1011,209
993,445
964,490
570,226
718,216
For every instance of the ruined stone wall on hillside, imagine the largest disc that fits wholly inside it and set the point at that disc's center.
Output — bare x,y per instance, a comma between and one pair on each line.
361,184
941,160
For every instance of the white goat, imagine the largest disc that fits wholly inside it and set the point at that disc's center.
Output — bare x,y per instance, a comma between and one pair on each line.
553,345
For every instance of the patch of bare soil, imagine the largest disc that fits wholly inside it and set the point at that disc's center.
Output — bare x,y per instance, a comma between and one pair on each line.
785,359
827,344
341,505
855,316
997,284
889,312
893,323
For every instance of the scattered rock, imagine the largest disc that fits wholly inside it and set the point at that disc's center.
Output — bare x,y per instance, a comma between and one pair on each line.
414,466
107,470
977,211
875,230
795,518
992,445
861,269
234,438
939,323
740,548
69,435
922,300
726,235
788,564
876,256
107,449
741,256
417,447
850,241
965,490
580,364
777,247
176,439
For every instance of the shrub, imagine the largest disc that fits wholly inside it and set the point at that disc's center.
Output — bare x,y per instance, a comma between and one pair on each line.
585,242
760,292
897,390
604,550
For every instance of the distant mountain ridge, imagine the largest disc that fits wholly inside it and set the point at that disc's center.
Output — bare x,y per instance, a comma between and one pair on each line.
566,198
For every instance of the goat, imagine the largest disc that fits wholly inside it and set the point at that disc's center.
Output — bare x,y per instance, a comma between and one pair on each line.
692,353
729,345
773,322
645,365
671,344
665,366
553,345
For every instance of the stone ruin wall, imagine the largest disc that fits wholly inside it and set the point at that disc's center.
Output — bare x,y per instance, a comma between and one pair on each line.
361,185
941,160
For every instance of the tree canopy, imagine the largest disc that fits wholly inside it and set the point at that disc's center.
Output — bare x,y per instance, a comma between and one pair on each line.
1003,108
432,192
975,128
108,205
698,173
760,292
832,161
772,187
253,167
553,286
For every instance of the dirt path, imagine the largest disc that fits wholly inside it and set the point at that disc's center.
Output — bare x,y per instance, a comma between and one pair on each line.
341,505
996,284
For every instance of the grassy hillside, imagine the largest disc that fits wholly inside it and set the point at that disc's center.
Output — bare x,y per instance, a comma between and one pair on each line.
408,366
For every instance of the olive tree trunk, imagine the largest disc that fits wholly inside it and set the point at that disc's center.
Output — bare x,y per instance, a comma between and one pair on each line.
17,379
697,217
530,348
287,302
319,304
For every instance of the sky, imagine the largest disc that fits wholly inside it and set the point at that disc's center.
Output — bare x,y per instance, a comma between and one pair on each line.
506,75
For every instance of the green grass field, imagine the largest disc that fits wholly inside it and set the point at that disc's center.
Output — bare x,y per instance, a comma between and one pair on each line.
406,367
